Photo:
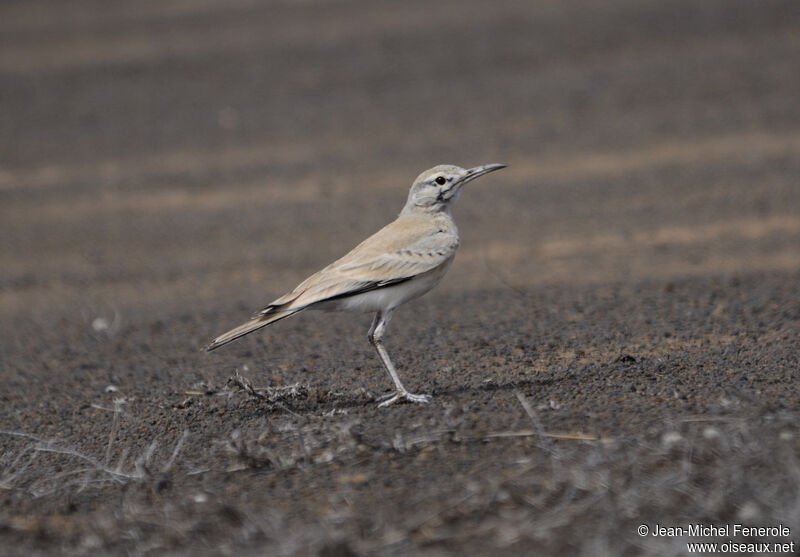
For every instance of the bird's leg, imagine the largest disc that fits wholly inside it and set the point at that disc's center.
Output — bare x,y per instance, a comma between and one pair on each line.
375,336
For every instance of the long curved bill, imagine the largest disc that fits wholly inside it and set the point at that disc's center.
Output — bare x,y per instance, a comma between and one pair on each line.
478,171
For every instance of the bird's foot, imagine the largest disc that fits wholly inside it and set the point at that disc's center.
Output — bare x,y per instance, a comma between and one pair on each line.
388,400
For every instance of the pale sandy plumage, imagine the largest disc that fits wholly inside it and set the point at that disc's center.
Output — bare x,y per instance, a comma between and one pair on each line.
411,245
398,263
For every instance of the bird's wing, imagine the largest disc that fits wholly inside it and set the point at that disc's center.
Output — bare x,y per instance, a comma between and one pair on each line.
400,251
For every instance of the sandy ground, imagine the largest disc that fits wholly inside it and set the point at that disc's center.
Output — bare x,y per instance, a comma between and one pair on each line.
616,343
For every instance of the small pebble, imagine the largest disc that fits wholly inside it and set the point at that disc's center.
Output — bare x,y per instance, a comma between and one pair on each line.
671,438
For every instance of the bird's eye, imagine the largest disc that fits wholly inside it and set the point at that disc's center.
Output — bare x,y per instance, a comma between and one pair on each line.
441,180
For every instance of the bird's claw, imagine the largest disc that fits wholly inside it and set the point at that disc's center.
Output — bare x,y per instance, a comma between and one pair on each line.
388,400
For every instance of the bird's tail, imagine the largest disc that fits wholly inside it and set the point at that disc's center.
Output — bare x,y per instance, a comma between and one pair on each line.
252,325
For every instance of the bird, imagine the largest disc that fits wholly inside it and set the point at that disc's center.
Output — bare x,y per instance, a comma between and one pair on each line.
400,262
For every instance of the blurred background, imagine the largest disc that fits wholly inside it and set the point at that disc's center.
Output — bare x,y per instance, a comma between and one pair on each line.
196,152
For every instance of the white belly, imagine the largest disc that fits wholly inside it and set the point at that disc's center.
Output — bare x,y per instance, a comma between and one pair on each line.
389,297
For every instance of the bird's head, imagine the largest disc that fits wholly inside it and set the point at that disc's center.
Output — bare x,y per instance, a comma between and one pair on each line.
438,188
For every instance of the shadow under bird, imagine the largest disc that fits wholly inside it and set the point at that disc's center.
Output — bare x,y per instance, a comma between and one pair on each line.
400,262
